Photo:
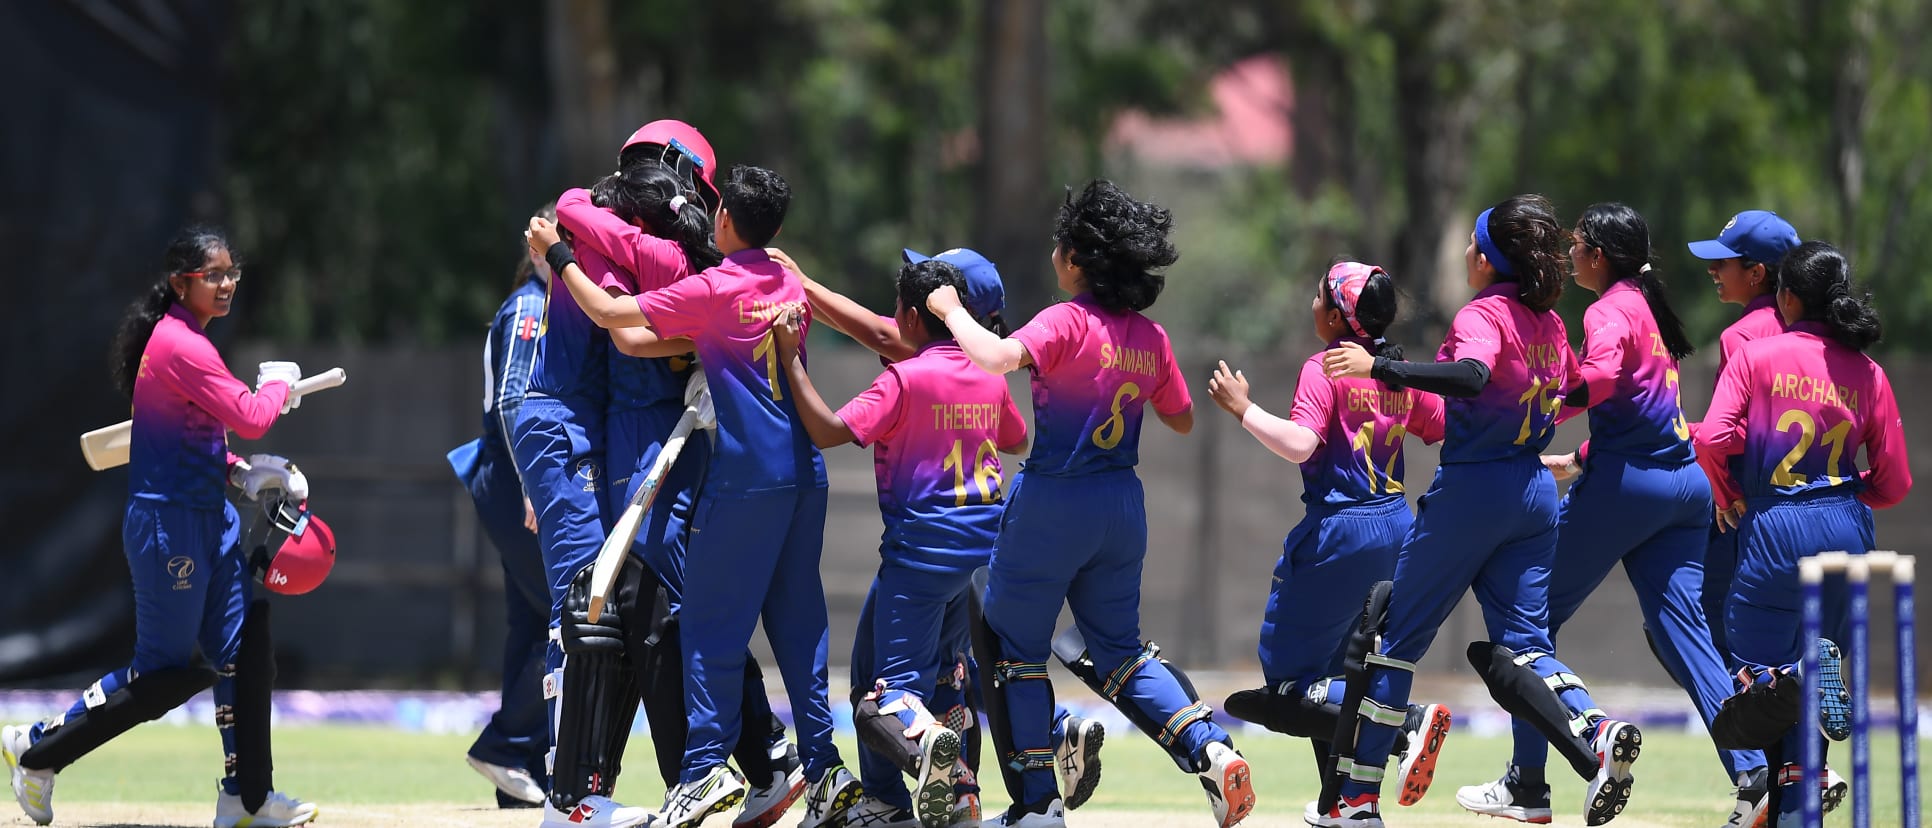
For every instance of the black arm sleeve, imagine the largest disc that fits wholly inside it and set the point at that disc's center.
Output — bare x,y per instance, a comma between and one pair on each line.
1462,378
1579,397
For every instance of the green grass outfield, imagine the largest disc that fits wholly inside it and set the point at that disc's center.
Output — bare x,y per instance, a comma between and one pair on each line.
161,775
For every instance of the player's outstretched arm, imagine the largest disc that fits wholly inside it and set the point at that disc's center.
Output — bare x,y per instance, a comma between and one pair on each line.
1286,438
602,308
988,350
821,422
878,334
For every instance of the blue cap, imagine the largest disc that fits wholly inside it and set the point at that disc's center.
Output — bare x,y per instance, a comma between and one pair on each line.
1758,235
985,293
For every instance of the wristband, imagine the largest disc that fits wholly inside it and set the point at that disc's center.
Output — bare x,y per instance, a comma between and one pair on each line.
559,257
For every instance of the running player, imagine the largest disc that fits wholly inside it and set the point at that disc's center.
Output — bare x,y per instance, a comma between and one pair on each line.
1489,520
937,425
1096,363
510,751
1347,437
760,520
1793,410
1743,262
1639,498
182,538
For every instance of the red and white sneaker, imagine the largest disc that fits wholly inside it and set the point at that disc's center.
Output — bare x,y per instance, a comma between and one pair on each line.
1363,811
1229,784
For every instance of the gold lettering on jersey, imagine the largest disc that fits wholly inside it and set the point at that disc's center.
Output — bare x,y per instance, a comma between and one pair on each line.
1820,390
1132,360
1657,348
762,311
965,417
1380,400
1541,355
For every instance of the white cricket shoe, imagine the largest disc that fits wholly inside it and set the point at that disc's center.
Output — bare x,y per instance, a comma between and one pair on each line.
33,789
1833,795
1053,815
1508,798
596,812
874,813
278,811
515,783
830,798
1078,757
766,805
1229,784
688,803
932,801
1363,811
1753,798
1617,745
1427,727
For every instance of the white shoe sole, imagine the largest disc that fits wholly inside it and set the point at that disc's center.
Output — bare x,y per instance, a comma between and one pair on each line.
1087,755
1609,792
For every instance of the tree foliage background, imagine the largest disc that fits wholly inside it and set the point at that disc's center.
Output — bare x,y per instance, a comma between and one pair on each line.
380,156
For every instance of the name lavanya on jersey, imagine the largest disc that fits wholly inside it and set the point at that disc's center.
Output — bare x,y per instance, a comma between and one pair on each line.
757,310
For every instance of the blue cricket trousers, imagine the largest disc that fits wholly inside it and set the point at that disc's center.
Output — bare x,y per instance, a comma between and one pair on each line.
1654,518
1079,541
755,556
1328,562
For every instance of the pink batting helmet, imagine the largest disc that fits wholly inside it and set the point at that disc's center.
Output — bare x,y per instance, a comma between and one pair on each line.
685,140
305,558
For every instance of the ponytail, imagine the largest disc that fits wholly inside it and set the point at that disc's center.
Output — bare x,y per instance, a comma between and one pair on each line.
1524,229
668,207
188,252
1820,278
1375,307
1624,238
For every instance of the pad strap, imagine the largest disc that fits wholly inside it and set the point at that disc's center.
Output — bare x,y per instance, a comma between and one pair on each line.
1170,732
1368,774
1117,680
1382,714
1020,671
1380,660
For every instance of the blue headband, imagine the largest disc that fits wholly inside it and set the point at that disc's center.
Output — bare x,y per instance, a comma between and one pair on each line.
1489,249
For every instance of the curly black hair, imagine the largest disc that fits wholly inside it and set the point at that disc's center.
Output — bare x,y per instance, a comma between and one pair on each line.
1118,244
917,280
1525,229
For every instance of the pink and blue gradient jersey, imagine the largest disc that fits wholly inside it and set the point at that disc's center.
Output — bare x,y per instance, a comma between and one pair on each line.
1530,365
616,254
728,311
936,424
1794,409
185,401
1361,423
1760,320
1094,370
572,352
1634,408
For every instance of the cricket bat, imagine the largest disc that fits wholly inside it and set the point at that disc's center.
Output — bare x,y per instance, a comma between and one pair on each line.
610,559
106,448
